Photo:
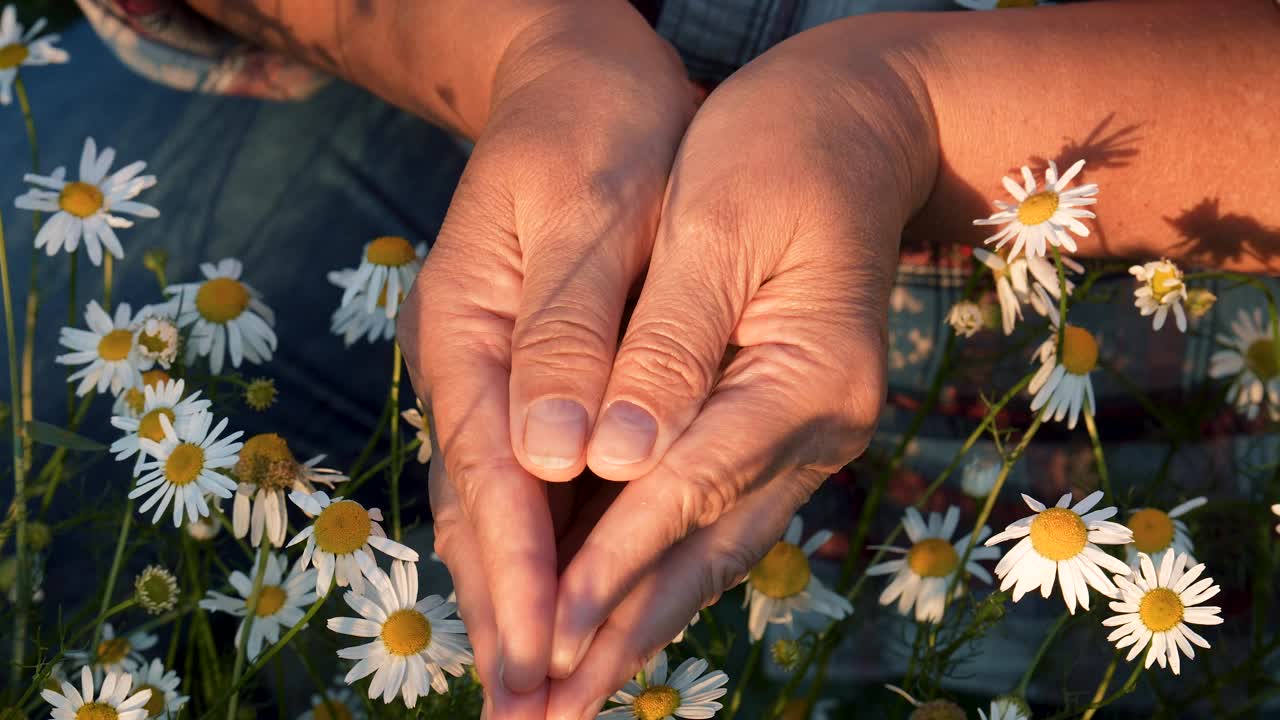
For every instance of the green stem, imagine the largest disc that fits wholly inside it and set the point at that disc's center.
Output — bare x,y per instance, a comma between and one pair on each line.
1062,298
121,540
252,613
19,474
397,462
1103,476
744,680
369,447
349,488
1025,682
108,263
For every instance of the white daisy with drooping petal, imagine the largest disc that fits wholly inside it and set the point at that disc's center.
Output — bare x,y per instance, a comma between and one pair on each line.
1064,389
1156,532
114,653
353,320
23,49
687,692
1042,216
386,272
282,602
108,350
267,469
783,583
921,577
343,532
340,703
1006,708
1251,358
1160,290
1043,291
165,702
1016,280
164,399
184,467
1156,606
417,420
87,209
414,642
965,318
227,317
113,701
1061,543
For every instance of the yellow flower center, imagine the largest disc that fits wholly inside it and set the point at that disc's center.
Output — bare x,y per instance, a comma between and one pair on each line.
113,651
1079,350
1058,534
270,601
80,199
1164,273
115,345
332,710
342,528
97,711
1160,609
1152,530
932,557
153,343
266,460
1038,208
184,464
656,703
155,378
136,400
391,250
222,299
11,56
150,428
1260,358
406,632
938,710
781,573
155,704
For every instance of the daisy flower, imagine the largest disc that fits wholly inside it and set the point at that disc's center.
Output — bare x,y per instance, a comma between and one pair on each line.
1043,291
1062,542
921,577
1006,707
114,701
336,704
1042,216
343,533
688,692
980,471
782,583
108,350
386,271
86,208
156,589
1016,279
206,528
19,49
131,402
938,709
227,315
965,317
185,467
414,642
416,418
1063,389
281,603
1199,302
165,702
265,470
353,320
1155,607
1156,532
114,653
1160,288
1251,359
157,338
159,400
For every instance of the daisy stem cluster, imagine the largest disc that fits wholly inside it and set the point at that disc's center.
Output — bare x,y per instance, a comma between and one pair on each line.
19,509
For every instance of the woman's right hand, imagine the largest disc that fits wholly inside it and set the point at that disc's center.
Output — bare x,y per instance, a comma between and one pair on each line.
511,329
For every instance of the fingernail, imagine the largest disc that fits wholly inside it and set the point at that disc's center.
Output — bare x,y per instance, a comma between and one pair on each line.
555,431
594,709
563,663
626,434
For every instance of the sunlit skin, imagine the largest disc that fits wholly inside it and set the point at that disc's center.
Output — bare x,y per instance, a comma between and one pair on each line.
903,121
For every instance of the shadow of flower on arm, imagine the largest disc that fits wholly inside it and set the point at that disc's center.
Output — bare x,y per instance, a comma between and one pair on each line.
1213,238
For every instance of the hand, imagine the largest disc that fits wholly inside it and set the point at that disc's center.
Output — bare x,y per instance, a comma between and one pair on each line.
779,237
511,328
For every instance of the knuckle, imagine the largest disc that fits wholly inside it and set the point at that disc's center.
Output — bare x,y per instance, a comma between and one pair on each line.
666,366
470,475
728,565
562,336
703,495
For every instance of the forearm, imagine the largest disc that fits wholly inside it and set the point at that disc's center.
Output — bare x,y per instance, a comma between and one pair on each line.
1172,105
442,59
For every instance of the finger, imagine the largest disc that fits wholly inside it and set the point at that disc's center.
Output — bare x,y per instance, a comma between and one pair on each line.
458,320
689,577
777,408
456,544
582,249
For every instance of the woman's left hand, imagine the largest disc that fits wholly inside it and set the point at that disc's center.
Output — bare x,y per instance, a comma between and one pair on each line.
779,239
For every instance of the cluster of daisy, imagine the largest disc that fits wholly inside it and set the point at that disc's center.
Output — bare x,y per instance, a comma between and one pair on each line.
107,674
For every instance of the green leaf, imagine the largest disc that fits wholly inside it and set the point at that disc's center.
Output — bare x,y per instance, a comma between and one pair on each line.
47,434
